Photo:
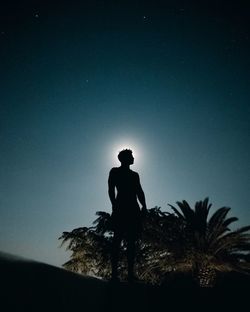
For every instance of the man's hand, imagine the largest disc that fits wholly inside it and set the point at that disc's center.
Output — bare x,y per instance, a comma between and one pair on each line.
114,207
144,210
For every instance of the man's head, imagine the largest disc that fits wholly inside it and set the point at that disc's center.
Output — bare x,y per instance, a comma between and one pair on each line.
126,157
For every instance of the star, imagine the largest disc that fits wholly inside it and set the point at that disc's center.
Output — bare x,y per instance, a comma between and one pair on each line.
36,15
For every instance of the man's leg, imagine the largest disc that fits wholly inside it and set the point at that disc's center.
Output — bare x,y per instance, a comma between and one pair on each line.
115,254
131,258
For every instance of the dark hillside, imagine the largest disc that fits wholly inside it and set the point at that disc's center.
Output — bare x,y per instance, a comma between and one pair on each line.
33,286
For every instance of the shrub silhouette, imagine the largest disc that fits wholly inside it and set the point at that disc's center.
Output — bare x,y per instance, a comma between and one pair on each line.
185,240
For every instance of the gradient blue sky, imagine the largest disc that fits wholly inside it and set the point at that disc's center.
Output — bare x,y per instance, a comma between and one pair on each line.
81,81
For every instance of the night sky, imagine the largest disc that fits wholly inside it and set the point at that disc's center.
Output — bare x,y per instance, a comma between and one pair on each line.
80,80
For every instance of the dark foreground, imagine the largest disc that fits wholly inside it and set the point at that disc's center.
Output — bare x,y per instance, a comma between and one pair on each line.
33,286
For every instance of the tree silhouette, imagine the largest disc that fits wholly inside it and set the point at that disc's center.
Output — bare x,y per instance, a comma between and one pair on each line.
185,240
208,245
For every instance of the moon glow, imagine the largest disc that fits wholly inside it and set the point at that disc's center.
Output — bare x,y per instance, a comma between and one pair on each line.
126,144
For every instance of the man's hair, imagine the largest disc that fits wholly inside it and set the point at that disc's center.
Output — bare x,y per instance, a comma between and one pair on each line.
124,154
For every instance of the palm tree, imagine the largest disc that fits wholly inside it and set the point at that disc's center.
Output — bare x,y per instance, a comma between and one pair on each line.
185,240
208,245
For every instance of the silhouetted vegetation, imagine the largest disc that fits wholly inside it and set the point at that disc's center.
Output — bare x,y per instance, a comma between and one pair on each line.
184,241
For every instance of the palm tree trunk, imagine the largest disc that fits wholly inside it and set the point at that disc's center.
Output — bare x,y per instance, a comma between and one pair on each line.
205,275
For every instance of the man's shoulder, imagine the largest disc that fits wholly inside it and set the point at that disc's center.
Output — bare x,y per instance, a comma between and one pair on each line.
114,170
117,170
134,173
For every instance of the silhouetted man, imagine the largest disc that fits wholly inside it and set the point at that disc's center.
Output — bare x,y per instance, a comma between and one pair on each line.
124,191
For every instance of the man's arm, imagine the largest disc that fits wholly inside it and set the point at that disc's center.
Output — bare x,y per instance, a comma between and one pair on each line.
111,188
140,194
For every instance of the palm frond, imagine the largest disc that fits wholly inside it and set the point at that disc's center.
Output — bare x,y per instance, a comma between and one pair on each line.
177,212
103,223
229,221
215,225
188,213
218,218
